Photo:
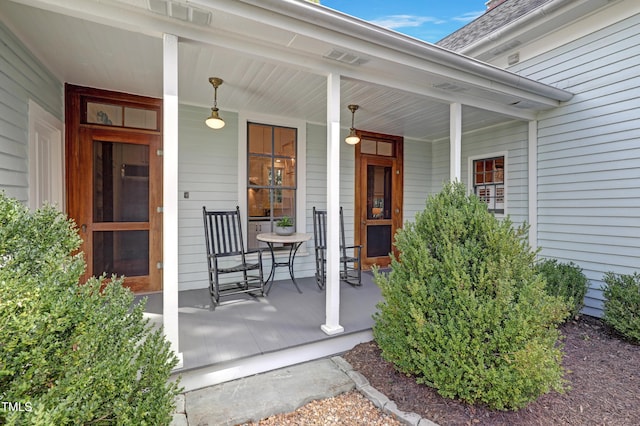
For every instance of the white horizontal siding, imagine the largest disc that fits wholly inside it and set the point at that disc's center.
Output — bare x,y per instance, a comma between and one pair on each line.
22,77
417,177
511,138
208,171
589,155
439,165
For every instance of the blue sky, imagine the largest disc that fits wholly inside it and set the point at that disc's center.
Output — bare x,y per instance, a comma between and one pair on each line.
428,20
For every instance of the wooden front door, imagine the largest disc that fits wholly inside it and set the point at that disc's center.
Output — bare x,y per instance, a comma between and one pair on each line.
379,194
114,184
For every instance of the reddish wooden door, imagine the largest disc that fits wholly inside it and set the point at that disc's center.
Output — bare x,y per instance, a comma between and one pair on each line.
114,182
379,195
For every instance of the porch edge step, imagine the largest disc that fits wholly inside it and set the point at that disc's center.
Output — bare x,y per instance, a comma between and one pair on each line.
199,378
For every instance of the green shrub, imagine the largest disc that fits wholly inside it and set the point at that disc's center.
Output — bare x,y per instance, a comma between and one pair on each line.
464,310
622,304
69,353
565,280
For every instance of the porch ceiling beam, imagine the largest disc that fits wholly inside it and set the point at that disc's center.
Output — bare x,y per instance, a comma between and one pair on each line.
316,65
448,98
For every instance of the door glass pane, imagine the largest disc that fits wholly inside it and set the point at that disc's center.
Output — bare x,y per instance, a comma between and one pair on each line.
379,192
106,114
121,252
367,146
120,182
140,118
378,240
385,148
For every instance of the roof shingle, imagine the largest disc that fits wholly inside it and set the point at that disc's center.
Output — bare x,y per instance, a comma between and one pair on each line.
491,21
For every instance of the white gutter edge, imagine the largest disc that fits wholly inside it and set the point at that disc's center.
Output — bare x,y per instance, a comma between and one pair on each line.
354,27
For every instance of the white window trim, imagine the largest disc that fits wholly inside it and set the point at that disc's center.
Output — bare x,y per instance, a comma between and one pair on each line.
470,161
301,166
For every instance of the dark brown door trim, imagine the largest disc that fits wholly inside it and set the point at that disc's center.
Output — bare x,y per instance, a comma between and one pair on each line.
81,134
366,155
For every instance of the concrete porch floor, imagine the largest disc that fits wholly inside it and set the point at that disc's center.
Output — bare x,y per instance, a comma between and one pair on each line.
246,335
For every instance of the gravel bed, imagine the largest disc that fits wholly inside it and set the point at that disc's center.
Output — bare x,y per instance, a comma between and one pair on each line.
350,408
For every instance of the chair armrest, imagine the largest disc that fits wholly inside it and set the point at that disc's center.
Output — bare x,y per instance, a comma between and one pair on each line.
218,255
256,251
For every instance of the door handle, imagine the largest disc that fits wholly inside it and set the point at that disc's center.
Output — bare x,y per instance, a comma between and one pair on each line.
83,228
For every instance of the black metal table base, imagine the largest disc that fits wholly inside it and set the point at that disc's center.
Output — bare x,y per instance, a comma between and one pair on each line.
293,249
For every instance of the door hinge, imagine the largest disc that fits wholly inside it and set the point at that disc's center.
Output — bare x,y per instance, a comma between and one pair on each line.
160,209
159,153
159,265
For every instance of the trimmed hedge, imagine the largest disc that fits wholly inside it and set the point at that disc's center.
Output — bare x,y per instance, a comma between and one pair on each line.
70,353
464,310
622,304
565,280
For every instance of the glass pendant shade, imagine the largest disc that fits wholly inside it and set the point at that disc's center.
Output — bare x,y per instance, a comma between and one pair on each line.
353,138
214,121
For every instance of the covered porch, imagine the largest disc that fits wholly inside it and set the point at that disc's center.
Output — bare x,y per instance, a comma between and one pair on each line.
246,335
294,64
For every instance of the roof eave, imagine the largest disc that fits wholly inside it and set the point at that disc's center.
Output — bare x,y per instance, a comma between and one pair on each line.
348,25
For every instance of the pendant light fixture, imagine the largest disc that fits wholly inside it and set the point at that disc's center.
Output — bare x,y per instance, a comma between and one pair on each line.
214,121
353,138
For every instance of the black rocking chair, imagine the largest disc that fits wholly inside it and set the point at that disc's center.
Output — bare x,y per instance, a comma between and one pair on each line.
350,271
226,256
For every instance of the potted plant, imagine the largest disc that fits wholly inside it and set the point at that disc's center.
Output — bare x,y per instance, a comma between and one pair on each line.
284,226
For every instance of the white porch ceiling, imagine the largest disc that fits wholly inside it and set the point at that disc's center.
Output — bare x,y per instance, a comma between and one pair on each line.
275,70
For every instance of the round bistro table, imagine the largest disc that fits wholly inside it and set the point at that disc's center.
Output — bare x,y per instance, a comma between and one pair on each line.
294,241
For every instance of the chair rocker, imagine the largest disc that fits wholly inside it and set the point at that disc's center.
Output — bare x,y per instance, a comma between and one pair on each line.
227,257
350,270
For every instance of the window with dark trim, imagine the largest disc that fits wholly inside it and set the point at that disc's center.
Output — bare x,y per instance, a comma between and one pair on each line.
488,182
271,177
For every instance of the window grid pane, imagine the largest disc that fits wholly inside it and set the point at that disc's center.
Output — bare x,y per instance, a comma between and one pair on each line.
488,182
271,177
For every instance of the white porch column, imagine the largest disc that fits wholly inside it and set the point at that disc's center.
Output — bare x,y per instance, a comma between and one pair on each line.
533,184
170,193
332,287
455,142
